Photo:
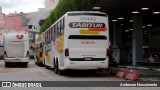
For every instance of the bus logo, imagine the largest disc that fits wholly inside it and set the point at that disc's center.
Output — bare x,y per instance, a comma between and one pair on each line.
86,25
19,36
6,84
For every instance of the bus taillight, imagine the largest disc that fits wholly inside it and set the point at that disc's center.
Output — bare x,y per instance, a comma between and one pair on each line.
107,52
40,54
66,52
5,54
27,55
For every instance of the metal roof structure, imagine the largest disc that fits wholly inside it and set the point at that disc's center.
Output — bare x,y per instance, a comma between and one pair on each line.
150,9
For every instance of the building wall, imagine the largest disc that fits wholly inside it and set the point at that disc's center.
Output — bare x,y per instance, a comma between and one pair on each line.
11,23
1,37
2,20
51,4
14,22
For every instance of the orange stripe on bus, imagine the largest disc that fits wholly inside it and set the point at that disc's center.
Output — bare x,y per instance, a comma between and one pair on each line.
97,29
83,31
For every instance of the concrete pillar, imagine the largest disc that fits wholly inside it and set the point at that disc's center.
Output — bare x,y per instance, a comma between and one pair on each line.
118,35
115,49
137,38
119,52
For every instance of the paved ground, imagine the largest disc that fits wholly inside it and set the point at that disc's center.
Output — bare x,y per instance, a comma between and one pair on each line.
37,73
148,73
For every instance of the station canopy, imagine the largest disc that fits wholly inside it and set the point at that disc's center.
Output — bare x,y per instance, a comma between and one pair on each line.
123,10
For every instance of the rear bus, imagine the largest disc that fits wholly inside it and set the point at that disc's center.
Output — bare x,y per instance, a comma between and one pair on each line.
86,44
16,48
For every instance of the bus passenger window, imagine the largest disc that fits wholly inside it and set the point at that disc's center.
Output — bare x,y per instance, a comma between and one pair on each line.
50,34
59,28
53,34
55,31
62,26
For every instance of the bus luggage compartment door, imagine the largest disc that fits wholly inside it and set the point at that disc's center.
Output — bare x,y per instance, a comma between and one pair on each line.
87,48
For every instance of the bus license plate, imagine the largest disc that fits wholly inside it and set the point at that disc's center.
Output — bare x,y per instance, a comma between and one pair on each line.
87,58
16,58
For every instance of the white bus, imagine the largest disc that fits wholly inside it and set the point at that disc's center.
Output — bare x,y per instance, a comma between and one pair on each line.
16,48
79,40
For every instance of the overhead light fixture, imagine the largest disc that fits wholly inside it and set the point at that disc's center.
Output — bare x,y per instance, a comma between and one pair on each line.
121,24
149,25
126,30
143,26
135,12
130,20
145,47
120,18
97,8
114,20
144,8
131,29
156,12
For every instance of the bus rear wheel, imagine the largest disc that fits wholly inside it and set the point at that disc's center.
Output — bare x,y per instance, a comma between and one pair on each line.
24,64
56,67
57,70
7,64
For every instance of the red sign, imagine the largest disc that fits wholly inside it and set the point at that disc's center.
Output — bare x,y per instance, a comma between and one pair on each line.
19,36
87,42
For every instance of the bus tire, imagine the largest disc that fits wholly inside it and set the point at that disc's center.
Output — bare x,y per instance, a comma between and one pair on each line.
47,67
36,63
25,64
54,64
7,64
60,72
44,61
56,67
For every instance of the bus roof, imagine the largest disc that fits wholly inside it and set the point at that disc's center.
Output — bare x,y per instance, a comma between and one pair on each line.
95,13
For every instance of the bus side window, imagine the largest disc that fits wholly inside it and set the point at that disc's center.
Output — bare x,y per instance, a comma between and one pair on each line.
59,28
62,26
47,36
50,35
44,38
40,45
53,33
55,29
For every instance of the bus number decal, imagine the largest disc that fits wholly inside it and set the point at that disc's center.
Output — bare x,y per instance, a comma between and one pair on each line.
87,42
87,19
